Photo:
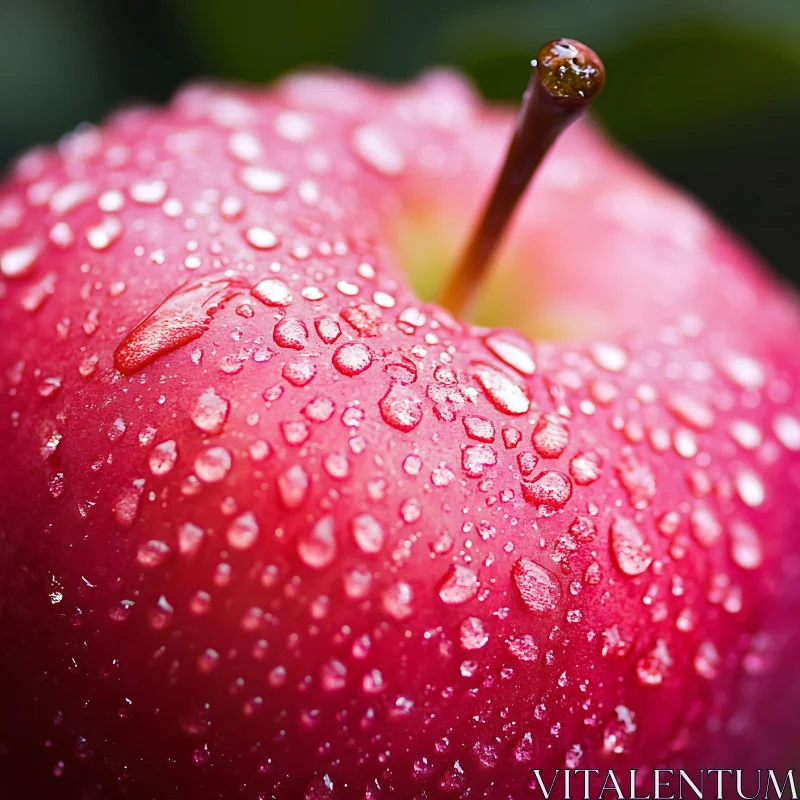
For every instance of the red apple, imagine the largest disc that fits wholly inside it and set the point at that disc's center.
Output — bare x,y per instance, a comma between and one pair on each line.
274,526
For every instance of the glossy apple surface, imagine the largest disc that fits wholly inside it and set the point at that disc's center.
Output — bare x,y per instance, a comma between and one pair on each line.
273,525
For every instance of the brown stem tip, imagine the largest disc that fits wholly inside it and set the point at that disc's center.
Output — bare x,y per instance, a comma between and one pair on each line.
566,78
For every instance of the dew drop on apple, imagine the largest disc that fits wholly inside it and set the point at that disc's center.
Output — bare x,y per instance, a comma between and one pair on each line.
263,180
293,486
705,526
126,506
472,634
18,262
401,408
243,531
183,317
333,676
190,537
368,533
459,585
550,436
524,748
477,458
153,554
213,464
299,373
548,492
638,481
352,359
397,600
787,431
619,730
503,393
273,292
295,433
630,549
320,409
523,648
317,547
200,603
357,583
162,458
652,667
479,428
746,549
328,329
537,586
707,660
290,333
512,350
585,468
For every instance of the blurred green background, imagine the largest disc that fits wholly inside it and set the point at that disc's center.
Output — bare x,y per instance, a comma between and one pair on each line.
708,91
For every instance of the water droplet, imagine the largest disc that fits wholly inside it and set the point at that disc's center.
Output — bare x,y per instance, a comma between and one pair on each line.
548,492
479,428
368,533
378,150
299,373
163,457
609,357
290,333
691,411
746,549
148,193
317,547
501,391
638,481
153,554
328,329
263,180
550,436
476,458
190,537
459,585
17,262
102,236
294,126
523,648
334,676
705,527
183,317
651,668
272,292
210,412
631,551
352,358
295,433
512,350
585,468
261,238
126,506
750,488
400,407
787,431
744,371
707,660
244,146
619,730
320,409
293,486
397,600
538,587
213,464
472,634
243,531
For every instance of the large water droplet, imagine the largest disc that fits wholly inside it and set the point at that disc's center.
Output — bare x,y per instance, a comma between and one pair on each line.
213,464
401,408
377,149
163,457
183,317
472,634
243,531
272,292
317,547
550,436
538,587
210,412
501,391
290,333
476,458
631,551
548,492
746,549
513,350
368,533
352,358
459,585
397,600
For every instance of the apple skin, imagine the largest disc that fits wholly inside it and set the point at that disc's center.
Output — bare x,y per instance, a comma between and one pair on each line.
328,541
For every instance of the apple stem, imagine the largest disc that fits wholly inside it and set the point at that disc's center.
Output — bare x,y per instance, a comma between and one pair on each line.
566,78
